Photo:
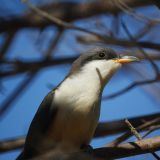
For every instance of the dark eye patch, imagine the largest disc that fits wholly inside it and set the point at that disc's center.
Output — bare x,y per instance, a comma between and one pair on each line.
95,54
101,54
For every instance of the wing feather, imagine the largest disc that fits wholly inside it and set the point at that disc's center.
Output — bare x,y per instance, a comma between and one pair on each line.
43,118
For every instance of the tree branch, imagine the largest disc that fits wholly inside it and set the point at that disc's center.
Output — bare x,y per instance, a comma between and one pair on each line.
11,144
130,149
138,136
8,40
103,129
105,153
119,126
15,94
114,41
131,86
25,66
126,135
68,12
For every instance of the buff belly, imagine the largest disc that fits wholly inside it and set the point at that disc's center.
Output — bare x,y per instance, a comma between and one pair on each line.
73,128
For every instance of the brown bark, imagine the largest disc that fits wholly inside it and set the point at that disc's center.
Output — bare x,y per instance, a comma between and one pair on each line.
106,153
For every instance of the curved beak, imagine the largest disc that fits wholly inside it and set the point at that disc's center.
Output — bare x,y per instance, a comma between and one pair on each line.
126,59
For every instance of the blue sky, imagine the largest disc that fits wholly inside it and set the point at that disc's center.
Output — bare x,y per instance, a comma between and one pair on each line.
16,122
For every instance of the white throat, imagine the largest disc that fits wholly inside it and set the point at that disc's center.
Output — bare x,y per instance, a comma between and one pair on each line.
85,86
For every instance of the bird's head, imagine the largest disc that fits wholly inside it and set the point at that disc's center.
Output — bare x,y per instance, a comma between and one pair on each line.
103,62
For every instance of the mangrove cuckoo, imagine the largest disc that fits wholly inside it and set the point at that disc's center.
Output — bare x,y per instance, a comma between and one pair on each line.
67,117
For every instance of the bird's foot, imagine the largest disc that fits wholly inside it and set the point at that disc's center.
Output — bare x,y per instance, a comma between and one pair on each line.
87,148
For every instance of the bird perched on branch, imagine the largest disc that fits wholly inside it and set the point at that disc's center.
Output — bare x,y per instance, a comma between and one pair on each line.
67,117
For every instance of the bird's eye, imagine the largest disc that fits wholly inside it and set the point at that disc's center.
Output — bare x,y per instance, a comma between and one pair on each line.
101,55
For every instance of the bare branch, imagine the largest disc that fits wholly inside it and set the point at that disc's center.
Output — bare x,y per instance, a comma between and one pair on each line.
69,12
103,129
155,67
157,3
119,126
11,144
8,41
54,43
131,86
138,136
153,89
133,130
22,66
127,9
105,153
131,148
145,30
135,84
62,24
25,66
126,135
119,42
15,94
151,129
120,151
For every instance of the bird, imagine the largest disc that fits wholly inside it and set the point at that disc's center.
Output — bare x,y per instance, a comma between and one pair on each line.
68,115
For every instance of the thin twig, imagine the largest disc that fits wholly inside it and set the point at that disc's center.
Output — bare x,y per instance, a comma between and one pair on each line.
133,130
126,135
21,66
7,42
5,106
135,84
11,144
62,24
143,31
54,43
138,136
155,67
119,126
124,7
151,129
129,87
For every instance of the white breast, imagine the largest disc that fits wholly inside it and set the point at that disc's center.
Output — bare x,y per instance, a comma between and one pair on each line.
79,91
77,98
77,118
84,87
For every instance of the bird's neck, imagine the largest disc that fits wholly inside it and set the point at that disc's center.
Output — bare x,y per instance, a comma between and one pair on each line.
83,88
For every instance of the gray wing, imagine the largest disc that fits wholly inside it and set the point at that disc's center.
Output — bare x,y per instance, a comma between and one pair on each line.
43,118
45,114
